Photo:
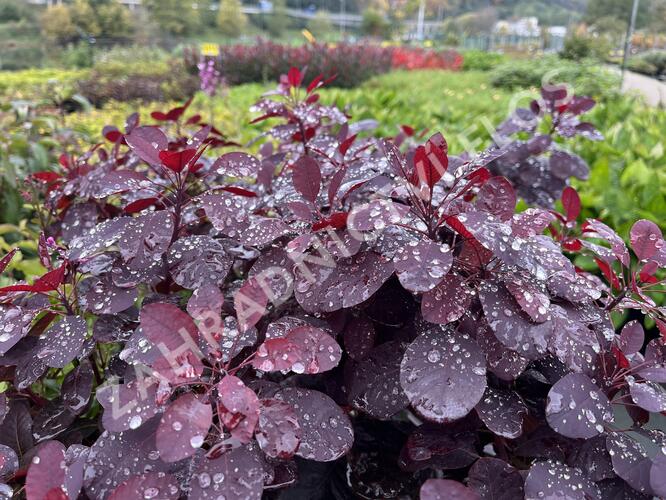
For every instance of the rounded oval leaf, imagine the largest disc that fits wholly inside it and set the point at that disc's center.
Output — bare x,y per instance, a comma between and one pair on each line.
326,432
151,485
446,489
421,265
555,480
577,408
502,412
183,428
238,473
278,431
494,479
443,374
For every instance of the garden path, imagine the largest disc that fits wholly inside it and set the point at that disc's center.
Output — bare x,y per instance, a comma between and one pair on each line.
652,89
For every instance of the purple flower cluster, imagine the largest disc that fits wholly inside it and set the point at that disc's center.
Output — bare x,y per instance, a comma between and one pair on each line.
210,78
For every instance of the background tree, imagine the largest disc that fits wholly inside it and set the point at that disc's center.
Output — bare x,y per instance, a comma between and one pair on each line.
84,17
57,24
230,18
114,20
13,11
618,9
374,23
174,17
320,25
277,21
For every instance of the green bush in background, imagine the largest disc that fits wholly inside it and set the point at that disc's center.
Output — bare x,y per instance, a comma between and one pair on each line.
586,77
652,63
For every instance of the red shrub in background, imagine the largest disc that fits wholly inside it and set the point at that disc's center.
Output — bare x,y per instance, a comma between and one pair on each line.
417,58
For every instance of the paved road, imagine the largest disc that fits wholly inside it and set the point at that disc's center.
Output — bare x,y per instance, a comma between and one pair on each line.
652,90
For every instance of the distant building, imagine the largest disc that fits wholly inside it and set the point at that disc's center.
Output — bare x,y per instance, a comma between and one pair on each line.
524,27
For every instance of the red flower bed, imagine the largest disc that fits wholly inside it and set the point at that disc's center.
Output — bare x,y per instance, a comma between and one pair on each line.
416,58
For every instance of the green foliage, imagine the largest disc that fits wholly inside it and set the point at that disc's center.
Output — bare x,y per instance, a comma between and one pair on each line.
481,60
175,17
230,19
578,48
130,73
651,63
585,77
57,24
628,176
375,24
107,19
15,11
277,21
320,25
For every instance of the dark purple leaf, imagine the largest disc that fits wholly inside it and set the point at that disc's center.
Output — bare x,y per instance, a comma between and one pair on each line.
532,298
14,325
632,338
505,363
115,457
307,177
497,197
632,460
440,447
375,382
359,337
326,432
494,479
9,462
176,336
278,431
447,302
150,485
46,475
502,412
531,222
104,297
555,480
238,408
592,457
509,325
596,229
446,489
238,473
646,239
250,303
16,428
577,408
564,164
147,142
323,288
130,405
648,395
421,265
237,164
62,342
183,428
451,358
146,238
195,261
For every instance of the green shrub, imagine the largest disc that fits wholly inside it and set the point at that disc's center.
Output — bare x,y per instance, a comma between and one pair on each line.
578,48
652,63
479,60
127,74
586,77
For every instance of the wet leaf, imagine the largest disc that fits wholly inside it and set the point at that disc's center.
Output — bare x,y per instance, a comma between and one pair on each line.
443,374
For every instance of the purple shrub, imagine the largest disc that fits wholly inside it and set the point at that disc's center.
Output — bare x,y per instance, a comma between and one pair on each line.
337,316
